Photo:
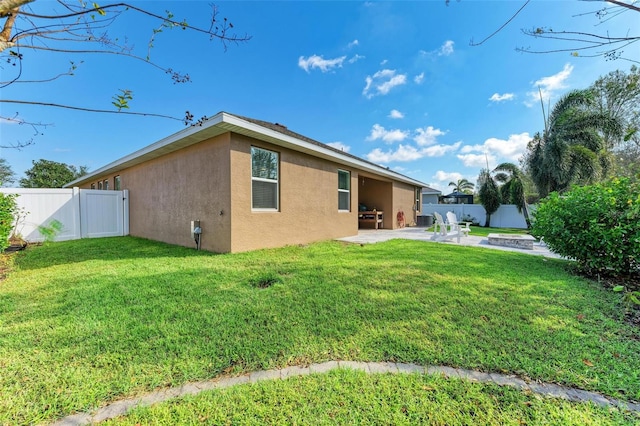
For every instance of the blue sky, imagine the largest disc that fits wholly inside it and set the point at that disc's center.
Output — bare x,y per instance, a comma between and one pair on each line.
396,83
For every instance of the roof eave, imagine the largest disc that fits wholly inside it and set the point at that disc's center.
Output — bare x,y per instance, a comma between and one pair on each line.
224,122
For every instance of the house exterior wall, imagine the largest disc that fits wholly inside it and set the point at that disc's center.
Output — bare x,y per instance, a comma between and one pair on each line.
211,182
308,190
168,192
404,199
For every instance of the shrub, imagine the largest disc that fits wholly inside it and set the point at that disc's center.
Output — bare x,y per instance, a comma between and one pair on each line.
597,225
8,211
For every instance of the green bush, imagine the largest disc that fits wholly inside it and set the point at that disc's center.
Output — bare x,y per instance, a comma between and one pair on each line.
597,225
8,211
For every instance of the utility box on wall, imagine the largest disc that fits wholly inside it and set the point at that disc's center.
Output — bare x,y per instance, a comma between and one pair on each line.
194,224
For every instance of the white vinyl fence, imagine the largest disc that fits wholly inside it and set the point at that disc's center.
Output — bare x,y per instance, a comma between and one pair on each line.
83,213
507,215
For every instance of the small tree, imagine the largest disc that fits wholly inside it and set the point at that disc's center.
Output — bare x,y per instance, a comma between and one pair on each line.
489,194
7,177
596,225
51,174
512,189
8,211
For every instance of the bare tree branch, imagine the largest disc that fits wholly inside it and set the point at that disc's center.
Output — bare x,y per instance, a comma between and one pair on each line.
503,25
625,5
213,31
102,111
611,45
6,6
69,72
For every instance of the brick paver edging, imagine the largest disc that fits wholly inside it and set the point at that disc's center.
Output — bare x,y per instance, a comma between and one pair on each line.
121,407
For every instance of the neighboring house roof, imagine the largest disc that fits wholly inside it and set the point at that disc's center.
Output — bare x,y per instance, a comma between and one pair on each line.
224,122
428,191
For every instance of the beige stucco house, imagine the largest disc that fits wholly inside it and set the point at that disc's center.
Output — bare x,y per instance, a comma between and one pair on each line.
252,184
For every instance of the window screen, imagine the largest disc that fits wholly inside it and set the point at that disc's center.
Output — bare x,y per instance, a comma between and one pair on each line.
344,190
264,179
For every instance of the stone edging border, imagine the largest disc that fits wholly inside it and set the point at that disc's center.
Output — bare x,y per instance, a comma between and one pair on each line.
121,407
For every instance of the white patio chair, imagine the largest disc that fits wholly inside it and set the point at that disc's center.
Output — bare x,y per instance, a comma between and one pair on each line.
443,231
463,227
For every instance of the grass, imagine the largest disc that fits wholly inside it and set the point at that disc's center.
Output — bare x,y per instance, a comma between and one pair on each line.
351,397
86,322
481,231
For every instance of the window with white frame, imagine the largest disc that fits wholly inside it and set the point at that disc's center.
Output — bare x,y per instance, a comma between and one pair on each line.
105,186
99,184
93,186
265,166
116,183
344,190
418,201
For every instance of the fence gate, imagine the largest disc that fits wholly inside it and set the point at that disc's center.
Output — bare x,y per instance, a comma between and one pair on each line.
104,213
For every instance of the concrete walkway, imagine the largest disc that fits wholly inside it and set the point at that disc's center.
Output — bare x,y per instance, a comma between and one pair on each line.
122,407
370,236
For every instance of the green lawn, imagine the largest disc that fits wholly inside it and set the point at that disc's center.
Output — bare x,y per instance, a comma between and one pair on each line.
481,231
350,397
86,322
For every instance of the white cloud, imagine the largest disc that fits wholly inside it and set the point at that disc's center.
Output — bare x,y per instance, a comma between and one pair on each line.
443,176
440,150
471,148
388,136
496,97
509,150
353,43
446,49
355,58
418,79
340,146
477,160
382,82
410,153
324,65
403,153
549,86
396,114
427,136
384,62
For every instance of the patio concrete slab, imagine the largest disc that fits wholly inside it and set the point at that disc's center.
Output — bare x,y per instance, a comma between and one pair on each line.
372,236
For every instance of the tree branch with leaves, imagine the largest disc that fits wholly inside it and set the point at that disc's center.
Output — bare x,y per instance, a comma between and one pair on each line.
83,28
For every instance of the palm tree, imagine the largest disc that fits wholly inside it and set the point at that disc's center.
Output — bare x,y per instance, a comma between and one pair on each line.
512,189
489,194
571,149
463,185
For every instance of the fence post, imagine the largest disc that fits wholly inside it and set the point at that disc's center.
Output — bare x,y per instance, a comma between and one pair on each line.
125,212
77,227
